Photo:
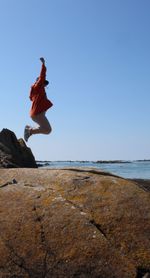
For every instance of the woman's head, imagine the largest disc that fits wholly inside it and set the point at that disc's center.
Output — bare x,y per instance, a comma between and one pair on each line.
45,83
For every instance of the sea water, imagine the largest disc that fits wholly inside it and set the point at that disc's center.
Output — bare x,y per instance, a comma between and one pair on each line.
126,169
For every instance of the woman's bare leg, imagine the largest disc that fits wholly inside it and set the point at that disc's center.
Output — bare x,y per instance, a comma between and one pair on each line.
44,126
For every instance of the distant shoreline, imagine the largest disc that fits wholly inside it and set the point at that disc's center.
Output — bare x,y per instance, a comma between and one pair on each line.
41,163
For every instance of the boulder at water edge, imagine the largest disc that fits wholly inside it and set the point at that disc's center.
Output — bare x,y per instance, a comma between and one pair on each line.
14,153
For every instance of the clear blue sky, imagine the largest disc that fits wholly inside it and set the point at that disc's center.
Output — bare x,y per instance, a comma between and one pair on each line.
98,65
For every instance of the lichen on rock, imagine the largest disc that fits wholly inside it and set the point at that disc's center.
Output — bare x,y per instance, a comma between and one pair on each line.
72,223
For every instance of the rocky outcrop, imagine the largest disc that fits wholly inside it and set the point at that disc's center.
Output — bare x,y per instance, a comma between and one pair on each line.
14,153
73,223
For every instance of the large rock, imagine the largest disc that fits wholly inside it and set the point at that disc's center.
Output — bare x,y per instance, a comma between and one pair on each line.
73,223
14,153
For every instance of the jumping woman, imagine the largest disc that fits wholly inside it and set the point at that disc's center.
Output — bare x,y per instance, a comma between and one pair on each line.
40,104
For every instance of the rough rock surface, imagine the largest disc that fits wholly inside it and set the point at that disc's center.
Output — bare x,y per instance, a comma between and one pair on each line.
14,153
73,223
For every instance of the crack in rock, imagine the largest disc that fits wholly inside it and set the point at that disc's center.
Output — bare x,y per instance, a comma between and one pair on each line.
35,187
8,183
39,219
143,273
92,221
48,253
17,259
41,269
98,227
80,178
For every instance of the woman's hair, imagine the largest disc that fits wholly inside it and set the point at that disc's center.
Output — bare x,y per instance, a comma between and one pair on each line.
46,83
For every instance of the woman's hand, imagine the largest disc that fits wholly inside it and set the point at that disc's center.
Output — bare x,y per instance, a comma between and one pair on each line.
42,60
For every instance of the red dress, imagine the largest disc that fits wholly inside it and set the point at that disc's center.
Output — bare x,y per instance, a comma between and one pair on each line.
40,102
